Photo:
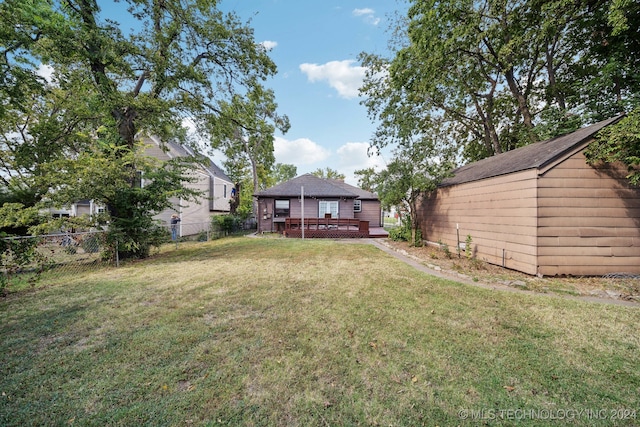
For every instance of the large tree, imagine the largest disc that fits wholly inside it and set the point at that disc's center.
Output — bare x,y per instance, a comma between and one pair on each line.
418,164
110,84
495,75
247,139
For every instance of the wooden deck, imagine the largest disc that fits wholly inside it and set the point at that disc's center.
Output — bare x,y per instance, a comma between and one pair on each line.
331,228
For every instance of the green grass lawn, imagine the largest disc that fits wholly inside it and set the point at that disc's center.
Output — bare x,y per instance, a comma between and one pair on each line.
284,332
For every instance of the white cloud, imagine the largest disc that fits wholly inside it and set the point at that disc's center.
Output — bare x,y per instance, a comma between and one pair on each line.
365,11
299,152
353,156
269,45
343,76
308,156
46,72
368,15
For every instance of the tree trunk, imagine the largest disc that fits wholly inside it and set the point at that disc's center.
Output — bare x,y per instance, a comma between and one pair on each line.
254,174
523,107
551,72
235,201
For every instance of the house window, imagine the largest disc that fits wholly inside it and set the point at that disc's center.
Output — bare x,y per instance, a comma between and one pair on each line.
281,209
357,205
328,207
224,191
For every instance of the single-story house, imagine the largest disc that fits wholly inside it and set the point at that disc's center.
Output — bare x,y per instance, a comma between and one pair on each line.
332,208
541,209
216,187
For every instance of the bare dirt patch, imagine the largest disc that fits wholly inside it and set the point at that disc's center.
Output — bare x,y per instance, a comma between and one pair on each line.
459,266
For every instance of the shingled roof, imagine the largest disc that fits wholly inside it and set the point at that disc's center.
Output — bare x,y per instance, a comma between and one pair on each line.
533,156
315,187
210,166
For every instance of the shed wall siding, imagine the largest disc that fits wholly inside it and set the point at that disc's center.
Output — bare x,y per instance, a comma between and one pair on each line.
589,220
498,213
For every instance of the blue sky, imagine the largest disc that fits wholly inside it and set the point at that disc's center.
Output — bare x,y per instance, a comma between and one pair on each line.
315,45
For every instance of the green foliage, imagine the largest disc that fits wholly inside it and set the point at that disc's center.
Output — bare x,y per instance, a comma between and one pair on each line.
619,143
445,249
15,255
401,233
328,173
468,249
17,217
226,224
281,173
493,76
404,232
366,179
244,133
78,133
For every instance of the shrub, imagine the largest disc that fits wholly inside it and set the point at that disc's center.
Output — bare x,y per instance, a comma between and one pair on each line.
226,224
402,233
16,254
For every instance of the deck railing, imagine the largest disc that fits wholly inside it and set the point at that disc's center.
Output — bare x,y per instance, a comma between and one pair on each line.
326,227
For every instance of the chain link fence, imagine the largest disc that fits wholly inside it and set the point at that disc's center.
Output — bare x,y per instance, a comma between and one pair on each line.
26,260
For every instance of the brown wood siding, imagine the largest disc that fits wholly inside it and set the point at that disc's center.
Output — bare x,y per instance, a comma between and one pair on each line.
265,215
371,211
345,209
498,213
311,206
589,220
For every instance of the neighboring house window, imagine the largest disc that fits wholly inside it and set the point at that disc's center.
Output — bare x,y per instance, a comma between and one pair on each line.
224,190
281,209
328,207
357,205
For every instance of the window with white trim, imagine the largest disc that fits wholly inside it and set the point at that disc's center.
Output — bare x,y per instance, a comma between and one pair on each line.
357,205
328,207
281,209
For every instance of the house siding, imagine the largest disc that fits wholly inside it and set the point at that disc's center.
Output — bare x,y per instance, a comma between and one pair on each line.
498,213
589,220
315,190
195,214
311,206
371,211
219,202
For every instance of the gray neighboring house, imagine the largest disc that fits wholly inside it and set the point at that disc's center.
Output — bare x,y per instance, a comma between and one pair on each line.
541,209
217,189
322,198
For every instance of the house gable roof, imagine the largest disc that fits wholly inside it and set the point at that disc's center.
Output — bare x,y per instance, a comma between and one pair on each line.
212,169
315,187
533,156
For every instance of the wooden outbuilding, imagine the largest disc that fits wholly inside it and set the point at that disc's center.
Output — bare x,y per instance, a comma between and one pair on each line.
540,209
